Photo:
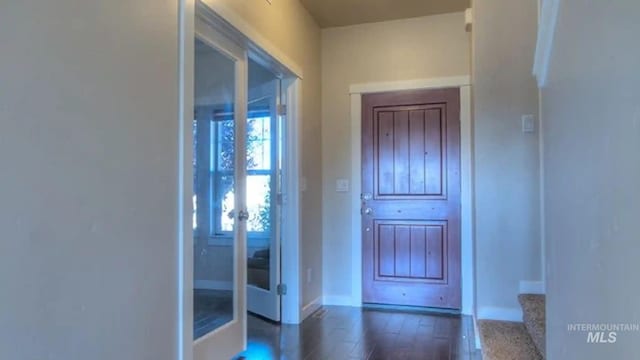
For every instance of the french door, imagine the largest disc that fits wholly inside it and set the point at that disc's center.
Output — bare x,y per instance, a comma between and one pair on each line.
219,197
264,165
237,144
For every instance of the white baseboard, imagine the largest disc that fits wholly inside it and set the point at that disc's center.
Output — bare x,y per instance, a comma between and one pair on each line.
500,313
476,331
213,285
311,307
338,300
531,287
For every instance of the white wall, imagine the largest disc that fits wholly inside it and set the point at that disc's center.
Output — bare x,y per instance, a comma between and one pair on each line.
506,159
419,48
88,187
591,111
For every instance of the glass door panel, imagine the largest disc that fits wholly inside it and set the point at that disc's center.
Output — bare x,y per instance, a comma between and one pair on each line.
219,183
213,189
263,245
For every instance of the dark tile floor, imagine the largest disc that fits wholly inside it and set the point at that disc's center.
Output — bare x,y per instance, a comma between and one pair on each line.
211,309
336,333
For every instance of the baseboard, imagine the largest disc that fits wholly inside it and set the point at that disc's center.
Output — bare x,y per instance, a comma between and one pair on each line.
337,300
213,285
311,307
476,331
500,313
532,287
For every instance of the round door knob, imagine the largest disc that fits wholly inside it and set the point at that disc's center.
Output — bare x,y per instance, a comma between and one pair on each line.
243,215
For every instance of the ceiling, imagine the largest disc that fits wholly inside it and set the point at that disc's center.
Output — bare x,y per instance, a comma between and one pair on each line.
330,13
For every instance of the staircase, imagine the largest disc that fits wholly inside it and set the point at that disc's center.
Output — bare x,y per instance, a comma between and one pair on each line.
504,340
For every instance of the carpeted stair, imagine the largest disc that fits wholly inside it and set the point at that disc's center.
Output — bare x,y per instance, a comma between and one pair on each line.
504,340
533,315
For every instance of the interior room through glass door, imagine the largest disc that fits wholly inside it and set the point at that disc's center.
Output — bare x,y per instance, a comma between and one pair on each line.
264,139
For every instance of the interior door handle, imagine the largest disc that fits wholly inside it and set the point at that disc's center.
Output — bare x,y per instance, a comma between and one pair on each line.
367,211
243,215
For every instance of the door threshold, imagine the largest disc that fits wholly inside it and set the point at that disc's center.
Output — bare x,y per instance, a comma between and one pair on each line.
412,309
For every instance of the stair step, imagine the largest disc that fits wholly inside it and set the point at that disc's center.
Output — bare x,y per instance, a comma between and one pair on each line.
533,315
504,340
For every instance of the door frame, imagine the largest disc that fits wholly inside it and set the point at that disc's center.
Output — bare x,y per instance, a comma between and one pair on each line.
229,23
466,162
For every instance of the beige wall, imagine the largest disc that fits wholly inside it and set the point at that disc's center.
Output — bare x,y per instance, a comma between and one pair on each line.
288,26
591,109
506,159
89,185
418,48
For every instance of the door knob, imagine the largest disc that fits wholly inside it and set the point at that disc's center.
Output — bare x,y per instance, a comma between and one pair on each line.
243,215
368,211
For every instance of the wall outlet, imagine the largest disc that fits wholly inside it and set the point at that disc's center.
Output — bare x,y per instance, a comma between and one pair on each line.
309,276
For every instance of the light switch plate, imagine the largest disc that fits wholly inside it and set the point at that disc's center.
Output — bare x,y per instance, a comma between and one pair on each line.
342,185
528,124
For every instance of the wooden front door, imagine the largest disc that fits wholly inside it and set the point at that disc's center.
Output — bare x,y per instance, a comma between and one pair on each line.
411,198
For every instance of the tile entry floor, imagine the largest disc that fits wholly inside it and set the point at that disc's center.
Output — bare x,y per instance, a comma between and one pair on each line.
336,333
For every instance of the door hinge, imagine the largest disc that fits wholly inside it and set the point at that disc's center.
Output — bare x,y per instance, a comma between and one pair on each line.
281,289
282,109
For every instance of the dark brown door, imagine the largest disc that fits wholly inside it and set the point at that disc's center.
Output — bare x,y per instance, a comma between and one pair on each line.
411,198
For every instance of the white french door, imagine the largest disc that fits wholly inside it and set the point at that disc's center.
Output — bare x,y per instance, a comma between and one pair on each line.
219,194
264,192
239,161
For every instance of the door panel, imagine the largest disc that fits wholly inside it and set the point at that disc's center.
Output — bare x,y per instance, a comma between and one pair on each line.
263,161
410,250
409,152
219,217
411,198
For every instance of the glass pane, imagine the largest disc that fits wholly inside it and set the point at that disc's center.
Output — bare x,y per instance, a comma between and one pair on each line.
213,164
261,152
225,200
259,143
224,130
259,204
